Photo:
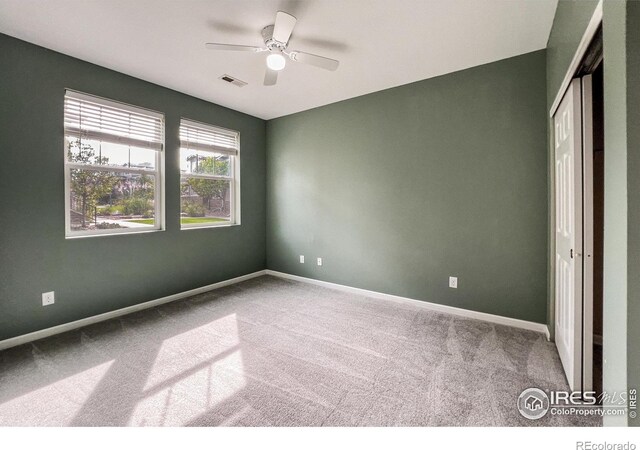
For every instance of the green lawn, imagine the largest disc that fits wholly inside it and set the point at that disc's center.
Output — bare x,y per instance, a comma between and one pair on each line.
143,221
183,220
190,220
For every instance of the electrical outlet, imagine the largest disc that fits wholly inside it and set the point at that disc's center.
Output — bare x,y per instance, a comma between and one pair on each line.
319,261
301,259
48,298
453,282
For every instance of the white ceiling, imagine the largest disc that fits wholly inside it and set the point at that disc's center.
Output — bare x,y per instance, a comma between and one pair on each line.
380,43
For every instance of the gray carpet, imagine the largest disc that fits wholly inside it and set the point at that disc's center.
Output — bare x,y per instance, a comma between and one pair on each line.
270,352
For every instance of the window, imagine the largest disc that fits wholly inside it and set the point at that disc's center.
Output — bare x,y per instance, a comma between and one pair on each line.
113,161
209,181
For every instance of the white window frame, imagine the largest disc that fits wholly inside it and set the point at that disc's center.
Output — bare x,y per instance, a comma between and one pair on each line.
234,178
157,174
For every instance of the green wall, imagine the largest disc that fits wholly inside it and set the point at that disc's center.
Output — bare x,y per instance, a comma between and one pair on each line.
399,189
633,186
615,203
99,274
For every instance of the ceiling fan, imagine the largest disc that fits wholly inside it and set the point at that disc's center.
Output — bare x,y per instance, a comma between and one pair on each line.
276,39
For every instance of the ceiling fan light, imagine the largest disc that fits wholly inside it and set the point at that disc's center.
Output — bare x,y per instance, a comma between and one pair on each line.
275,61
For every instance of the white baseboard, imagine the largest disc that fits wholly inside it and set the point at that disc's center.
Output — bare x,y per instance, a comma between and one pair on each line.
29,337
517,323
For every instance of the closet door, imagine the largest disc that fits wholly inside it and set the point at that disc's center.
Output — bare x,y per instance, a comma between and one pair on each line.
568,230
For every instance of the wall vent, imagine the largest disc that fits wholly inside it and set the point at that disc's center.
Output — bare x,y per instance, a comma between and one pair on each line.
232,80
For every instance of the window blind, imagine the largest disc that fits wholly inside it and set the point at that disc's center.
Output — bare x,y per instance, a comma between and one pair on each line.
89,117
199,136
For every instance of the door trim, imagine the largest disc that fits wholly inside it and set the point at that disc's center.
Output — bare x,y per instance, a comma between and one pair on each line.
590,32
587,233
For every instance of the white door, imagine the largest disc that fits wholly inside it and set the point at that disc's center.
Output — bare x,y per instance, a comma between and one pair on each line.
568,169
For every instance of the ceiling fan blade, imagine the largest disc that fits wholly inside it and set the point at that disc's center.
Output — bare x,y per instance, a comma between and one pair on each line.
270,77
283,27
236,48
315,60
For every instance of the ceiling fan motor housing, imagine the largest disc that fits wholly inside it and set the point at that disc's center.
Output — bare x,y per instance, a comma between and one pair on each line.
270,42
276,40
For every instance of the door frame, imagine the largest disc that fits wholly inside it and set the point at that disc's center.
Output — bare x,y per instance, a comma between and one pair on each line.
594,24
587,232
587,37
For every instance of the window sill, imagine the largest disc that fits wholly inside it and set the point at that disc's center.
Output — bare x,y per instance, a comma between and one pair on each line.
127,233
206,227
